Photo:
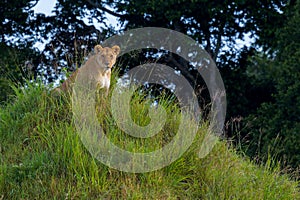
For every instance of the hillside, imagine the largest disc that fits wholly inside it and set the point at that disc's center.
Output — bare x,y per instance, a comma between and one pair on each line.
42,157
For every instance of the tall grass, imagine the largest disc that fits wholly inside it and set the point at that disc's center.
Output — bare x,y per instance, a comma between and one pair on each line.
42,157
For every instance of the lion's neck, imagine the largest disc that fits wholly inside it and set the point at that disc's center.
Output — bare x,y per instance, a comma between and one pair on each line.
93,65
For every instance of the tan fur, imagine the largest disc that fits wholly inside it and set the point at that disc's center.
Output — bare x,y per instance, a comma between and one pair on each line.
97,68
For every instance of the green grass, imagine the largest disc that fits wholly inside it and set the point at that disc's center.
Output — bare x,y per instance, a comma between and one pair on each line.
42,157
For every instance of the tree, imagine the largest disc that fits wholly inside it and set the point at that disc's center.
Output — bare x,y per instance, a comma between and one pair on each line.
14,19
276,124
216,25
71,35
69,38
15,47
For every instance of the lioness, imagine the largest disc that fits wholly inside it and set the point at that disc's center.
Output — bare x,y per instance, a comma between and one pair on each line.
96,70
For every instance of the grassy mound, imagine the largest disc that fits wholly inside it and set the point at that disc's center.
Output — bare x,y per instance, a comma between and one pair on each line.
42,157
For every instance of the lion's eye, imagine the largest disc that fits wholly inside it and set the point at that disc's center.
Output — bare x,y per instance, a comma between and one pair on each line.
111,56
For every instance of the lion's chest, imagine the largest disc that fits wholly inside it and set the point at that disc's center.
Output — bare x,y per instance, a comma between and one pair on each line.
95,74
103,80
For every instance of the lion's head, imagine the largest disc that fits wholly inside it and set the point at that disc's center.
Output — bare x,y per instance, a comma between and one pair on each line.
106,57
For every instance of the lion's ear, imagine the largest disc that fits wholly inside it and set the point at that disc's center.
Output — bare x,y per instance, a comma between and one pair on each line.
116,49
98,48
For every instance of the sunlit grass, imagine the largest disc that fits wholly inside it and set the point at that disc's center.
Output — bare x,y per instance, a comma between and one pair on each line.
42,157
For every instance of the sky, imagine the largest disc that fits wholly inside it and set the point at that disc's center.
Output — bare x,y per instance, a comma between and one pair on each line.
45,6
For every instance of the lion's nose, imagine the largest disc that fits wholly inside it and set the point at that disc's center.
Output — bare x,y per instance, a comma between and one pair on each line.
106,63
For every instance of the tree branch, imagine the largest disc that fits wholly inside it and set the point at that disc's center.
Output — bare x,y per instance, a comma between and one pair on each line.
183,67
33,5
97,5
219,41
